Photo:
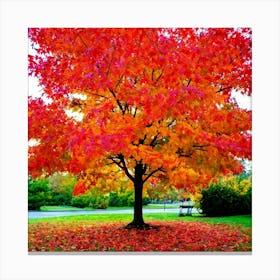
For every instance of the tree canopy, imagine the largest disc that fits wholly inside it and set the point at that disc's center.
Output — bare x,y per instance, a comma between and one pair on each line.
154,102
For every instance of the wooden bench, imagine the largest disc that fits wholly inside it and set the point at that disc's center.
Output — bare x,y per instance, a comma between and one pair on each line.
188,212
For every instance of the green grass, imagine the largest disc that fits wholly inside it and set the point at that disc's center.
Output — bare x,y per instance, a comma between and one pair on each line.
91,218
245,221
149,206
161,206
70,208
59,208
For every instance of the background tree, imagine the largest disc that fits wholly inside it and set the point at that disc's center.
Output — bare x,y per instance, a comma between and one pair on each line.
153,102
161,189
61,187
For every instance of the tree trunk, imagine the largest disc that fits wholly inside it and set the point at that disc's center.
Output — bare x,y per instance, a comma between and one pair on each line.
138,221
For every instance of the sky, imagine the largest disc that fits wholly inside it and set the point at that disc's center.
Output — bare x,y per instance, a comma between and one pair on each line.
244,101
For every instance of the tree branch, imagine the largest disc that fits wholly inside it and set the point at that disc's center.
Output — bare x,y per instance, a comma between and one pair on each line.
121,157
140,141
200,147
221,89
152,173
134,115
159,75
126,108
182,154
195,147
153,71
122,165
117,100
84,43
171,123
153,142
99,95
119,81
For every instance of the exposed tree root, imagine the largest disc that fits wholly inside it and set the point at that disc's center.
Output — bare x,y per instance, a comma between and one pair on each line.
140,226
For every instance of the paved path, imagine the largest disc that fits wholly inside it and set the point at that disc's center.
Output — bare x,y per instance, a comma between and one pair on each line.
49,214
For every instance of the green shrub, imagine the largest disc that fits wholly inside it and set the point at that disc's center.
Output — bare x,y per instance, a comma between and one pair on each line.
38,193
219,200
114,199
246,205
91,200
98,202
121,198
80,201
146,200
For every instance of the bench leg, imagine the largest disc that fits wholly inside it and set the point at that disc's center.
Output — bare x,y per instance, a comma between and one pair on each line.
180,212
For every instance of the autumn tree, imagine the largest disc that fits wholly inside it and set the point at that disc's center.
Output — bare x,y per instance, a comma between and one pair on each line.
153,102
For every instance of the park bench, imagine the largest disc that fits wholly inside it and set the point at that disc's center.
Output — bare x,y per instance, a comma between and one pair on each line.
188,205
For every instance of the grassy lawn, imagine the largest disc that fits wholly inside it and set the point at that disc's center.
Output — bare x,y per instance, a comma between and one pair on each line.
244,221
59,208
70,208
